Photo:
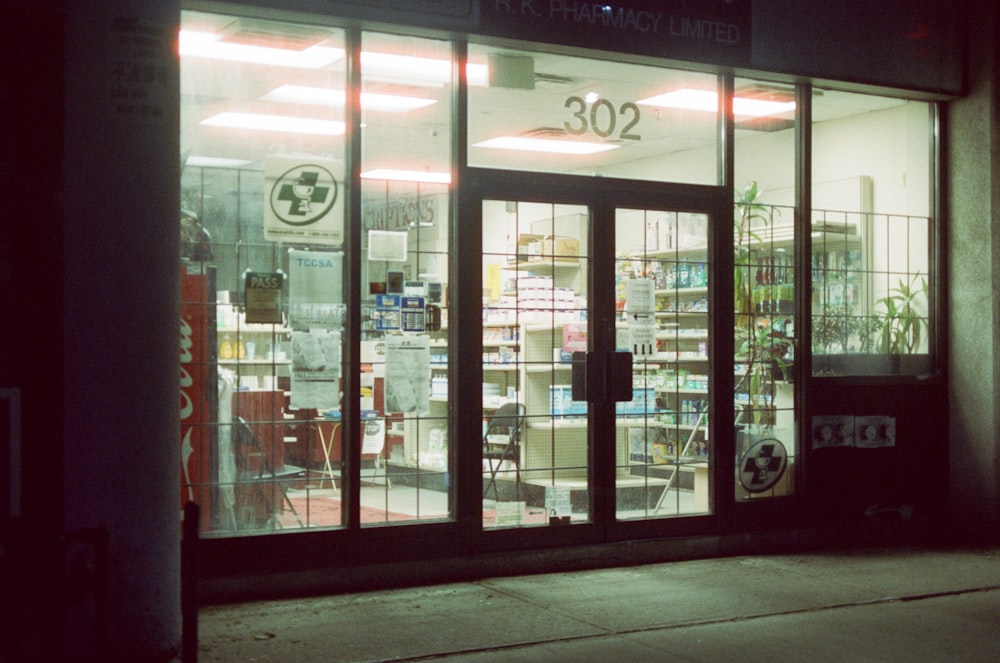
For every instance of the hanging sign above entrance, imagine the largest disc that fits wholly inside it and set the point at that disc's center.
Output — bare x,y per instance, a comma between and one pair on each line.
710,31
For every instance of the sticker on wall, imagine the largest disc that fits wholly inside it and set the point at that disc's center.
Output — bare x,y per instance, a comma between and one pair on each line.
832,431
874,432
302,202
762,465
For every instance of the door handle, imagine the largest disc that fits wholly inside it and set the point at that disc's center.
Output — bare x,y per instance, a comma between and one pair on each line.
620,376
602,376
587,382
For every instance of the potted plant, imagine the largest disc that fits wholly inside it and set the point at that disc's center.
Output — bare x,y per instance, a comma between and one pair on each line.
902,327
764,349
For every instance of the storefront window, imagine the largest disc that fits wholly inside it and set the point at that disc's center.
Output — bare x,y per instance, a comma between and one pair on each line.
764,287
406,176
265,109
871,235
554,113
262,228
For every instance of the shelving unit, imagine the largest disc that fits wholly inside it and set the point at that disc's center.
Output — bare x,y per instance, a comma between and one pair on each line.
258,354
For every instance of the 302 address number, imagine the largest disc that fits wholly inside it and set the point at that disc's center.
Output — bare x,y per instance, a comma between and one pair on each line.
601,117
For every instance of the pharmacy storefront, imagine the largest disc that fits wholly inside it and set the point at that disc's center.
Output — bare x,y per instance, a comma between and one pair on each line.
487,277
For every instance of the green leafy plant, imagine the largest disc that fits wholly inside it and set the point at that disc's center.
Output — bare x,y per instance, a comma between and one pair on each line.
764,350
839,329
902,326
750,215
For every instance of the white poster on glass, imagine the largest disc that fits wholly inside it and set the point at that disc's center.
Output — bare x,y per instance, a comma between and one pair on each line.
315,289
407,374
315,369
640,307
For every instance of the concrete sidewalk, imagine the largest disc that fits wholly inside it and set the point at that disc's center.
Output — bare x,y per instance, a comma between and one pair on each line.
902,604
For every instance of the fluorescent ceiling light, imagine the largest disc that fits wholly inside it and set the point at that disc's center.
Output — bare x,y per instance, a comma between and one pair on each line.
301,94
407,175
215,162
412,70
403,68
545,145
260,122
192,43
748,107
706,100
478,75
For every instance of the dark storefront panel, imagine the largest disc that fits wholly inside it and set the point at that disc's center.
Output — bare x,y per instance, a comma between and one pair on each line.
916,43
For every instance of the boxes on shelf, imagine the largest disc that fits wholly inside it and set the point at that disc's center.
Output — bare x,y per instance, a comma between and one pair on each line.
662,452
561,403
643,402
667,417
510,278
574,337
660,233
639,448
692,230
649,445
562,249
519,250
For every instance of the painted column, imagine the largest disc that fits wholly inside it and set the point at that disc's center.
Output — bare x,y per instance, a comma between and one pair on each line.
120,404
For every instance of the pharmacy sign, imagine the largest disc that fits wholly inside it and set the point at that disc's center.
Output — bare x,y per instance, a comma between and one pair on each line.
302,205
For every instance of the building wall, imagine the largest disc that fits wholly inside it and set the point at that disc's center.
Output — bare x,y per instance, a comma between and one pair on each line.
974,319
120,404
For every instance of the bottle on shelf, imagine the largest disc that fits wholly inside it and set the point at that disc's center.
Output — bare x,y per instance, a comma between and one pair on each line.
226,348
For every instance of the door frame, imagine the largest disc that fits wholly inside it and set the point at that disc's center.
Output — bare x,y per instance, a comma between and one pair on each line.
602,196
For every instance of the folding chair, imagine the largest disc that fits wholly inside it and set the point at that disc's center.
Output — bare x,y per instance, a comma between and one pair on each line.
502,442
256,473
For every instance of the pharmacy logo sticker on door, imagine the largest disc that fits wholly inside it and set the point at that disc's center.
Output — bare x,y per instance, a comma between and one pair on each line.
303,204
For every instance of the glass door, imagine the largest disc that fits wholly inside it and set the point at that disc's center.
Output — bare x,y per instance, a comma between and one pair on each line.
662,308
535,309
592,388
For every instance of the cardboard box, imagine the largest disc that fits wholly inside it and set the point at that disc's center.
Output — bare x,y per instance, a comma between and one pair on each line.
574,337
521,251
560,248
561,403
